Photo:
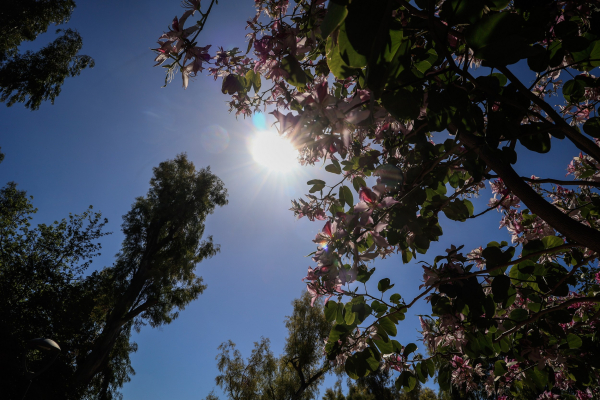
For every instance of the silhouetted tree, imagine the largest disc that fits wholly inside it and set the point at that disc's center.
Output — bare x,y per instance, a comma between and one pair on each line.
45,291
34,77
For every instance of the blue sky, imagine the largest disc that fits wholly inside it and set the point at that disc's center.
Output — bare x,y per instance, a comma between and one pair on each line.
97,146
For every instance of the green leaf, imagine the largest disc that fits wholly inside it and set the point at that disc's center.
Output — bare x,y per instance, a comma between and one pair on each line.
357,33
233,84
316,188
458,210
331,309
386,347
412,383
388,326
254,79
552,241
384,285
532,246
500,286
358,182
402,103
539,59
406,380
336,14
406,256
497,5
462,11
296,75
336,64
337,331
519,315
364,274
574,341
574,90
592,127
431,367
348,198
588,58
333,168
350,316
395,298
339,317
421,370
500,368
496,38
531,138
411,347
378,307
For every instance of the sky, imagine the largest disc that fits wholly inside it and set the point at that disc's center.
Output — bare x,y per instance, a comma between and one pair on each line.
98,143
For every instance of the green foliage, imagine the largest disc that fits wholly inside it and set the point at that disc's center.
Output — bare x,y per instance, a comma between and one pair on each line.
405,70
153,277
46,291
294,375
34,77
296,75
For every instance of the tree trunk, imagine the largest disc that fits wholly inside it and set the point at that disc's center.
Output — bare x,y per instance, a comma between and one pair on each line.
105,343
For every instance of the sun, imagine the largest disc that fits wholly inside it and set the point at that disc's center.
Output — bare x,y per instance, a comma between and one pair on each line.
273,152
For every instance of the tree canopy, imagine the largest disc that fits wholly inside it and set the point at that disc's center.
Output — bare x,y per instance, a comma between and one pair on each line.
45,290
295,375
420,106
34,77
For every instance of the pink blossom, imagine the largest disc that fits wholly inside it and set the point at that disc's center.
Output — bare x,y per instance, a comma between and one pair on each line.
287,122
366,195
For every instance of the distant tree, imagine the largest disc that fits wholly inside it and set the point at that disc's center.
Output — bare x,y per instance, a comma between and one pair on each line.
292,376
335,393
34,77
427,394
45,291
153,277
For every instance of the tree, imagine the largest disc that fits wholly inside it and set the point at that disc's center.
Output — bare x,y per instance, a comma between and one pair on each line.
153,277
294,375
407,111
45,291
34,77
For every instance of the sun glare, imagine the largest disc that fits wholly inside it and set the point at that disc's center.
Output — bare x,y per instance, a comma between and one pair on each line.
273,152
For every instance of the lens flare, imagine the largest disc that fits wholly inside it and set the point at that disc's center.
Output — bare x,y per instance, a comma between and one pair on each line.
214,139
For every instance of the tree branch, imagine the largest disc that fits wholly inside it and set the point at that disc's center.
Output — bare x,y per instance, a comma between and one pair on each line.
535,317
564,224
557,181
305,385
577,138
137,311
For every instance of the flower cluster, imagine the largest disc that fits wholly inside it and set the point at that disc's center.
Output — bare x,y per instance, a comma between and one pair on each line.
377,115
